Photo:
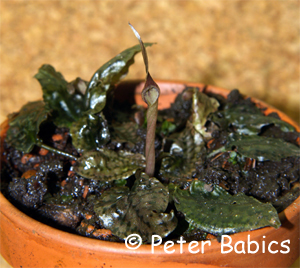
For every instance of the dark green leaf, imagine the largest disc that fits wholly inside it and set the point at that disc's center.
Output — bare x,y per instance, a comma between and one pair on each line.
140,210
24,126
262,148
213,210
185,152
177,169
250,123
108,165
66,105
98,96
89,132
51,80
107,76
253,123
125,132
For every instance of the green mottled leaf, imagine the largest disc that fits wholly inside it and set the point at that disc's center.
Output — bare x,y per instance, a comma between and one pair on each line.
107,76
24,126
249,123
125,132
253,123
89,132
263,148
140,210
176,169
108,165
66,105
185,152
213,210
186,149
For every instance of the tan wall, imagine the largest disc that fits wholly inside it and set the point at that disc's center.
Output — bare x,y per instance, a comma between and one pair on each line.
250,45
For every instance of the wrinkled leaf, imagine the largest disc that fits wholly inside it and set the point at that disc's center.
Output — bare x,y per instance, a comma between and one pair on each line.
107,76
212,209
176,169
89,132
114,69
51,80
249,123
108,165
140,210
253,123
190,143
66,105
98,96
125,132
24,126
262,148
185,152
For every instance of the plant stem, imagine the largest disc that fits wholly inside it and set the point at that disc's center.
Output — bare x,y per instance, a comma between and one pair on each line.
150,95
54,150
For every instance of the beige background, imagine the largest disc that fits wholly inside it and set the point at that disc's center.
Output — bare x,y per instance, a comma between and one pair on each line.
250,45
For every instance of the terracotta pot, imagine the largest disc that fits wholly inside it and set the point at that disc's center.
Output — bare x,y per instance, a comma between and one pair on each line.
28,243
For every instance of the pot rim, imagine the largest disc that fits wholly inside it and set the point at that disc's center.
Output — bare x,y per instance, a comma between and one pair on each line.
21,220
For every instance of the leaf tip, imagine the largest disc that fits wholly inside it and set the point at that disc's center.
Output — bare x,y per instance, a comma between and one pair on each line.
144,52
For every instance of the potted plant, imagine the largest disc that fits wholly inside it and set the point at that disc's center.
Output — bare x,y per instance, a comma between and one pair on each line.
89,167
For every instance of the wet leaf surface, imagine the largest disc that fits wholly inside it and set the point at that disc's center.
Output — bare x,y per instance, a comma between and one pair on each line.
140,210
249,122
76,102
89,132
108,165
262,148
212,209
24,126
107,76
66,105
